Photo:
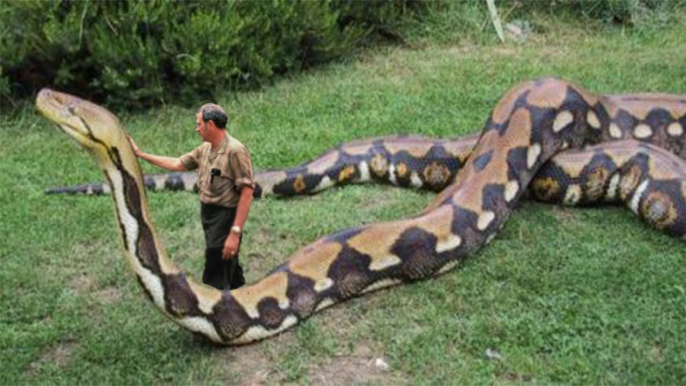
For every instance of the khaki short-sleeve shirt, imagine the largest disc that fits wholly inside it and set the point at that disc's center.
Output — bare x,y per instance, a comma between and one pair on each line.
223,173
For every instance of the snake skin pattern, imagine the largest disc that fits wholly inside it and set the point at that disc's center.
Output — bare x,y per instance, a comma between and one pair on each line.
622,149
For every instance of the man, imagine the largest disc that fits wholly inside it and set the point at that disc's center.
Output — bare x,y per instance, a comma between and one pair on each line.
225,186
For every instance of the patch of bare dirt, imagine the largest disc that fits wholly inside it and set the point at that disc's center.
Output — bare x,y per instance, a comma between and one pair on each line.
258,256
512,376
564,214
245,366
58,355
108,295
378,199
365,364
81,283
656,354
360,367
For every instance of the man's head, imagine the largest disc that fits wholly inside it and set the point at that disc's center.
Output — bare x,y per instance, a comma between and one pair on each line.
209,119
215,113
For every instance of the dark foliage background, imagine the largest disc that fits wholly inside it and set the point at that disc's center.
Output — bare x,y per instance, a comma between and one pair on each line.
138,53
134,54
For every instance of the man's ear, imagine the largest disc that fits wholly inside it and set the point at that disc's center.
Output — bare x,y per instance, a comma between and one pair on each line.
211,124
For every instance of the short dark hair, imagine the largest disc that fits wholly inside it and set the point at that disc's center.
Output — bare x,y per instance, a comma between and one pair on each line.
214,113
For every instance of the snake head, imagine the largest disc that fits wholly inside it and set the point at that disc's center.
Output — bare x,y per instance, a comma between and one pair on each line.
95,128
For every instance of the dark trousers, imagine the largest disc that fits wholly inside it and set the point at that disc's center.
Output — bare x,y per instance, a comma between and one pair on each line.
219,273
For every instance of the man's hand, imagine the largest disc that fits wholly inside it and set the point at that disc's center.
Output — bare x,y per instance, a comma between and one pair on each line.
135,148
231,246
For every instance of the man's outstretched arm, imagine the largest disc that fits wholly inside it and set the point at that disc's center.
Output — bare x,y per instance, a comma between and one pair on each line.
169,163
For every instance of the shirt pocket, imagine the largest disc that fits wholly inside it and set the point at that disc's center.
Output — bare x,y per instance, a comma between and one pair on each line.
220,185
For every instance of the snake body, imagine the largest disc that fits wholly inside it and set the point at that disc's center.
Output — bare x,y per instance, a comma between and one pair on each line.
632,144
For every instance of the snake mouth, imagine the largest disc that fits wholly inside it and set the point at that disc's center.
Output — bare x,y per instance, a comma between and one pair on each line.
86,122
60,108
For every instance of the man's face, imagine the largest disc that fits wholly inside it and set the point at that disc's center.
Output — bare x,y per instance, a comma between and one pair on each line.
201,127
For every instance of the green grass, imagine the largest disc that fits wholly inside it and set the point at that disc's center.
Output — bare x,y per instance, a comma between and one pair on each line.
563,295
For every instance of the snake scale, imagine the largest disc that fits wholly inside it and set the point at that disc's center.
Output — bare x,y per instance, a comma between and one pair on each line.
549,137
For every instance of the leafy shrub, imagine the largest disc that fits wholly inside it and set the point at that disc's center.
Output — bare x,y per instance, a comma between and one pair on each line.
138,53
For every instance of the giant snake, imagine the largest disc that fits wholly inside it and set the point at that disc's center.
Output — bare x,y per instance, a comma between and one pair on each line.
562,142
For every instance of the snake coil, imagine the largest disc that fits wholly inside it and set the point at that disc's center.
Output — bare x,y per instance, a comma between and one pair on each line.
562,142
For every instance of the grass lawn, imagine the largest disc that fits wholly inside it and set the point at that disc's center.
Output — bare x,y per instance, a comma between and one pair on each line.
561,296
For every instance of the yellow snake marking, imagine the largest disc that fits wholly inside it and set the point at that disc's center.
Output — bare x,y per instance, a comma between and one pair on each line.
401,170
381,284
376,242
451,242
347,173
532,155
620,157
659,209
299,184
327,302
485,219
439,223
511,189
364,171
575,168
379,165
258,332
629,182
436,174
415,180
313,262
611,194
562,119
382,262
615,131
323,285
391,174
208,296
573,194
593,120
642,131
638,194
546,187
202,326
447,267
595,184
273,286
675,129
325,183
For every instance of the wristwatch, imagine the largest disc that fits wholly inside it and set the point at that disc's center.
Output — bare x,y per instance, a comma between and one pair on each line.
236,229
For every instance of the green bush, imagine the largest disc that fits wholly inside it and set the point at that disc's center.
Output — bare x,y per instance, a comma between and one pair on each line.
138,53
